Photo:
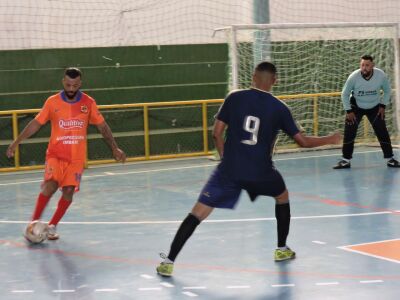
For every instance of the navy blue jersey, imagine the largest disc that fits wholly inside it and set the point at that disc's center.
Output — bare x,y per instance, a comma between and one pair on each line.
254,119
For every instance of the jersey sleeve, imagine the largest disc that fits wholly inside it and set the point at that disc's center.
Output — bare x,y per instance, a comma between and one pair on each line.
96,117
44,115
387,91
346,92
288,123
223,112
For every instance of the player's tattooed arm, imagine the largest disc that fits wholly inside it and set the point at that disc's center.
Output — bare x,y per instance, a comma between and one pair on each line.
105,131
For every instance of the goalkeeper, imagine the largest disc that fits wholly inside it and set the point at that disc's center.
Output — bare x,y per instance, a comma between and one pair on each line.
361,96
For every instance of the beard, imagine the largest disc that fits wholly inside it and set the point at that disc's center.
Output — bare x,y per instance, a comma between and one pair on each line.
70,95
366,73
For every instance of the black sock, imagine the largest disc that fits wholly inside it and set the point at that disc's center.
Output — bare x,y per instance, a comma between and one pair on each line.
182,235
282,214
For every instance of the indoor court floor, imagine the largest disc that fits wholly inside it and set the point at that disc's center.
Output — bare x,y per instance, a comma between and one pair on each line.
345,230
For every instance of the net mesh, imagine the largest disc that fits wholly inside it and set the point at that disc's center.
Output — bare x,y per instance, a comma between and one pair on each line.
313,65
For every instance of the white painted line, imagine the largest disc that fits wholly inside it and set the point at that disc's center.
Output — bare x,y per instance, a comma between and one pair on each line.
208,221
106,290
181,168
371,281
190,294
167,284
22,291
370,243
109,173
63,291
370,255
319,242
150,289
146,276
327,283
194,288
283,285
21,182
347,248
238,287
82,286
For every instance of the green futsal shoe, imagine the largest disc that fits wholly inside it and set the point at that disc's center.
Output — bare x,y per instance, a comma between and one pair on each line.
165,268
281,255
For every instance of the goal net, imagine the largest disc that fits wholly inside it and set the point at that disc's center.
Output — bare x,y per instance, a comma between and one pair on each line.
313,62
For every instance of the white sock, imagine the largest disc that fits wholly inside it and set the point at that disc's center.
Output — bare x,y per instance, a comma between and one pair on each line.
345,159
168,261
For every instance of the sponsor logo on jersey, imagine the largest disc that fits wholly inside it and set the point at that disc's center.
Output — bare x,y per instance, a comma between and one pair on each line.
71,124
84,109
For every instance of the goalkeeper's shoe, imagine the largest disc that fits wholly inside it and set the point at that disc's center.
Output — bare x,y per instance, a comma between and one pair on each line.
392,163
342,164
281,255
165,268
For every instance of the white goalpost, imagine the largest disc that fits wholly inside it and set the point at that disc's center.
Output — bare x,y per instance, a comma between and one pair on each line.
314,61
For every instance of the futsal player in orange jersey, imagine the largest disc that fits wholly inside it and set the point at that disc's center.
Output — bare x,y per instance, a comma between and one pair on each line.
70,112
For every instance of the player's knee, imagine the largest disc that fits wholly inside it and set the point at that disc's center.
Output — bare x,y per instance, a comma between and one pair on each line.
282,198
49,188
68,192
201,211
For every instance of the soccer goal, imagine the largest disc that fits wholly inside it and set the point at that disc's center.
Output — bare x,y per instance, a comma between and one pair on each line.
314,61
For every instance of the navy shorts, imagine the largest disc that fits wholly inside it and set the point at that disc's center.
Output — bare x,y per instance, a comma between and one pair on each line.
222,192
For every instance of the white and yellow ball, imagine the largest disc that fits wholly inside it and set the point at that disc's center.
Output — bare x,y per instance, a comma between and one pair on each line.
36,232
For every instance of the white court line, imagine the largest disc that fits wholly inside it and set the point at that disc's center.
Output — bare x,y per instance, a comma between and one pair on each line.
146,276
370,255
370,243
190,294
206,221
327,283
194,288
319,242
63,291
238,287
22,291
167,284
106,290
179,168
150,289
282,285
371,281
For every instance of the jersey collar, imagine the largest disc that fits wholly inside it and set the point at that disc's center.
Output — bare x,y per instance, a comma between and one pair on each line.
65,98
368,79
254,88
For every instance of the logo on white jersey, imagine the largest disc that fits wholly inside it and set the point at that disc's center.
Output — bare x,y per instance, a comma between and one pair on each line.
71,124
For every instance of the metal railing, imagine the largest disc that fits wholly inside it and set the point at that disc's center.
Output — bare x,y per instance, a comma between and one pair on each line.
145,108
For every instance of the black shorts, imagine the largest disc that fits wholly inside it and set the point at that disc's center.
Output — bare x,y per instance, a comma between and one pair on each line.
222,192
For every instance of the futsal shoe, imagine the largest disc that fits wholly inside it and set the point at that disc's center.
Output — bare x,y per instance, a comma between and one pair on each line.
392,163
281,255
52,235
166,267
343,164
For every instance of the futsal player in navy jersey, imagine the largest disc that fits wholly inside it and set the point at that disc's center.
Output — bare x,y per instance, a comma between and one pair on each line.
253,119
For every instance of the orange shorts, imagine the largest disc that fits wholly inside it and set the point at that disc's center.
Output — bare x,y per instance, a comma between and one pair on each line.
65,173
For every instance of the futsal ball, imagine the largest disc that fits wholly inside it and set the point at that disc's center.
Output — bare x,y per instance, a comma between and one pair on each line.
36,232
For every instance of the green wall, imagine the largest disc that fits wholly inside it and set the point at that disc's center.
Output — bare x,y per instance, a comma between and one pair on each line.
117,74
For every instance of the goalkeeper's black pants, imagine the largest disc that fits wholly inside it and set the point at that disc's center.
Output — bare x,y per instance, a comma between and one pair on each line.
380,129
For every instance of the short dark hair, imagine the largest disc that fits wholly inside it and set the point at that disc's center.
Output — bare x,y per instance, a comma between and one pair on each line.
367,57
73,72
266,66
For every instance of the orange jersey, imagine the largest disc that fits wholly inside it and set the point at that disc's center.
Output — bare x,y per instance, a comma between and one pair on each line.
69,122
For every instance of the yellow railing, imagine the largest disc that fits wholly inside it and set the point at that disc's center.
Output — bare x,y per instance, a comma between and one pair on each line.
145,106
